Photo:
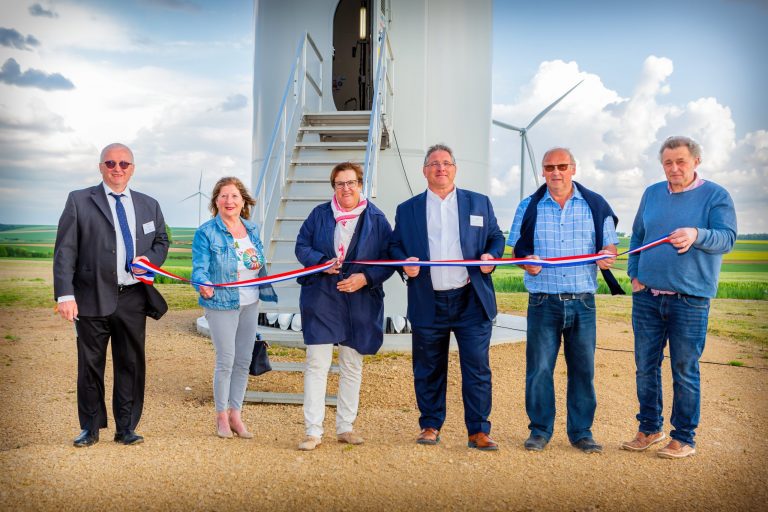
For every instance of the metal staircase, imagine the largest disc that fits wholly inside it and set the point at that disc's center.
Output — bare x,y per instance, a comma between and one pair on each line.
306,143
324,139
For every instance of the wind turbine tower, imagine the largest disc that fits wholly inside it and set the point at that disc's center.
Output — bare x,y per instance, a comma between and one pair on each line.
200,197
525,145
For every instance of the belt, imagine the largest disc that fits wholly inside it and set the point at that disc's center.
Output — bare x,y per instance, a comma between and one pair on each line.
564,296
122,288
452,291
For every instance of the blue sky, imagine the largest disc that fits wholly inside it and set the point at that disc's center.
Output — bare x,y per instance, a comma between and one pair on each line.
172,78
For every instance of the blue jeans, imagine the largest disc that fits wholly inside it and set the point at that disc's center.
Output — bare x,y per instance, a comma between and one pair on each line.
551,319
681,320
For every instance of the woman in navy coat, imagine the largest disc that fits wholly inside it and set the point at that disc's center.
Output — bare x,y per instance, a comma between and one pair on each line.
344,305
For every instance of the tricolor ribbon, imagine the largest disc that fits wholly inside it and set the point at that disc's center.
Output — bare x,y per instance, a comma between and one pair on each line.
565,261
152,270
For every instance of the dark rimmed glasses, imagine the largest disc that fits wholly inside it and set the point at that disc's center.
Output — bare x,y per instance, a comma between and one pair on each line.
110,164
345,184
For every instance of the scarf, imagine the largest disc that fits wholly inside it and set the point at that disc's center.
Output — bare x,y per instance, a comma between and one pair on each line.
346,222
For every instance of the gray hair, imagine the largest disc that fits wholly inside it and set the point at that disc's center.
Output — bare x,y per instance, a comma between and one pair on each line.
677,141
553,150
115,145
439,147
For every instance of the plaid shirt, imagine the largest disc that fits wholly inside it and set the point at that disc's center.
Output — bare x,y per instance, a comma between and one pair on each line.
568,231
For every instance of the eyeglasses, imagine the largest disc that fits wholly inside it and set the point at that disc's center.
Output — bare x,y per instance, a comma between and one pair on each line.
437,165
345,184
559,167
110,164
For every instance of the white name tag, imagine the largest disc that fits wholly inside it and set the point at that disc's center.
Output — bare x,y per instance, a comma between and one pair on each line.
476,220
149,227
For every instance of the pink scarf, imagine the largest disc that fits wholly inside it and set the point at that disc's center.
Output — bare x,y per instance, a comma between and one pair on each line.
346,222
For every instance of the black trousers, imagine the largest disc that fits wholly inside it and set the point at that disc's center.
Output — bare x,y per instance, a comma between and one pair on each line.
127,328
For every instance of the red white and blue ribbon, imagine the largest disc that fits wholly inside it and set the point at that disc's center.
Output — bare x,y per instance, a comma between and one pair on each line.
152,270
566,261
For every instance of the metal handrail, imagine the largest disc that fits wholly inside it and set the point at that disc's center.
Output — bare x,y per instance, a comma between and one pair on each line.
272,172
381,110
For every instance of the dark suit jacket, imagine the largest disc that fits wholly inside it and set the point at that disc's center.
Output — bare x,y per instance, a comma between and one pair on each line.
410,238
84,261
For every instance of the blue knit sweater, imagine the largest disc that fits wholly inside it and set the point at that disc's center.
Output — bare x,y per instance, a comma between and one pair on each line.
709,208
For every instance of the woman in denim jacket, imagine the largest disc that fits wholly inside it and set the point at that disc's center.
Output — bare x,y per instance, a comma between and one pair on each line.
227,248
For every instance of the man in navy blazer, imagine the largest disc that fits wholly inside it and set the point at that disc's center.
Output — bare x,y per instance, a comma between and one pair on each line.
447,223
102,230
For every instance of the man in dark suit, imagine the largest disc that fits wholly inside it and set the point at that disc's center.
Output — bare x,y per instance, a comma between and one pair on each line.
101,231
448,223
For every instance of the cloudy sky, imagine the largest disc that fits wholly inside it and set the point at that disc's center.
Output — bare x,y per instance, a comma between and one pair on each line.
172,78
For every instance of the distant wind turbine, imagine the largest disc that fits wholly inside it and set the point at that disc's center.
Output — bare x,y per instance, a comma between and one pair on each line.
524,144
200,197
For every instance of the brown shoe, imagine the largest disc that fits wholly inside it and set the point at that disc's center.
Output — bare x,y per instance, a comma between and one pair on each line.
350,437
642,441
310,443
482,441
676,450
429,436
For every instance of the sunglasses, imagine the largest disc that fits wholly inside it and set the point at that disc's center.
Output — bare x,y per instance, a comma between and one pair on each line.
110,164
559,167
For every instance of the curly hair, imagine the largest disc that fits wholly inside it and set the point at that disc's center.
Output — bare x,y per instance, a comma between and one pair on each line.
248,201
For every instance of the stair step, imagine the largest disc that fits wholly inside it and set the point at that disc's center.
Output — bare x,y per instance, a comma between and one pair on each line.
318,162
331,145
264,397
295,219
305,198
344,117
324,181
290,366
342,128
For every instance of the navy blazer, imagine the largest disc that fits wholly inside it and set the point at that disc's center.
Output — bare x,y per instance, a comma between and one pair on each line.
328,316
84,262
410,238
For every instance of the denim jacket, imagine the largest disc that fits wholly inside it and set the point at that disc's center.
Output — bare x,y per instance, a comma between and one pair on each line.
214,261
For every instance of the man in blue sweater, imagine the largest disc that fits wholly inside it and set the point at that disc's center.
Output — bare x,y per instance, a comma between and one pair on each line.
672,285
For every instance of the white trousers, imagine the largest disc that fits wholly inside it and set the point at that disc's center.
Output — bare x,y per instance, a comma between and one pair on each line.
316,380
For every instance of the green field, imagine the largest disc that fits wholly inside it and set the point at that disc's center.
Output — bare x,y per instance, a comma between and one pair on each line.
744,273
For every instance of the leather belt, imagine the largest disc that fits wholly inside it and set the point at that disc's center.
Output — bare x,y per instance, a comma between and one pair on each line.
122,288
564,296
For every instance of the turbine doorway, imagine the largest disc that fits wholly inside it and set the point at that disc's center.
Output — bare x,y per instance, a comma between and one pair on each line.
352,70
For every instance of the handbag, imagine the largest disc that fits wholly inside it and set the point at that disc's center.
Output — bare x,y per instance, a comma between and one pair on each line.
259,359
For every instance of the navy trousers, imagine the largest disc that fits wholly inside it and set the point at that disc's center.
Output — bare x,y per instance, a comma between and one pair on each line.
461,312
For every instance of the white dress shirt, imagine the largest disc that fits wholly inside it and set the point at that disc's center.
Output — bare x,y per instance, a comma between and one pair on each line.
123,277
444,240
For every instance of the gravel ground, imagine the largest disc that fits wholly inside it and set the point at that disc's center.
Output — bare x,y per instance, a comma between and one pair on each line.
183,466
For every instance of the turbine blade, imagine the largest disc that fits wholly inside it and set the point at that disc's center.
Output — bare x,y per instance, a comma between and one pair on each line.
200,185
507,126
550,107
189,197
533,160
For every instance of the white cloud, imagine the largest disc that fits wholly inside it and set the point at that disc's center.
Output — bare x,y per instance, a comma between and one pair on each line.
615,140
177,122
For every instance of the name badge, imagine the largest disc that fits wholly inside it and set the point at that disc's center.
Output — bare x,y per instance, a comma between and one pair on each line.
149,227
476,220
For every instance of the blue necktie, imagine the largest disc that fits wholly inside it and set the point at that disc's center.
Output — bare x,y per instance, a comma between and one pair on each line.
122,218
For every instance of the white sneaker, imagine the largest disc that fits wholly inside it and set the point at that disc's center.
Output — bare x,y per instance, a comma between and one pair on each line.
349,438
310,443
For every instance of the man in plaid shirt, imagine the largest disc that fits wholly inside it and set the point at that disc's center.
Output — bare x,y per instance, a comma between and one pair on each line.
560,219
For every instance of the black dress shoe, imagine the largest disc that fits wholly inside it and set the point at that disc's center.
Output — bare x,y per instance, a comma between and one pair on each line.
128,437
86,438
588,445
535,443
